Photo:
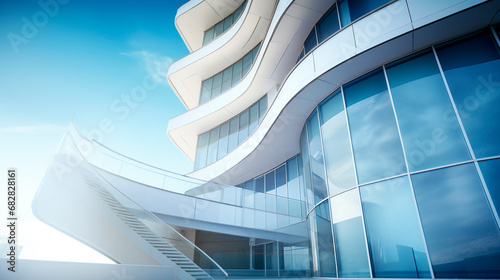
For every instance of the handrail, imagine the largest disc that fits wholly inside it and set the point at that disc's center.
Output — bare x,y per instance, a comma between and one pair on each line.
71,133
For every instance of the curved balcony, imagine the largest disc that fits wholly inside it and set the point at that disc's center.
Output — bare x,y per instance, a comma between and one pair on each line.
185,75
290,25
353,51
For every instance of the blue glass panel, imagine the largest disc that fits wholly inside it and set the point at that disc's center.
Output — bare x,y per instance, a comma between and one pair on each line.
281,181
219,28
282,205
201,151
254,118
233,134
247,62
316,157
260,218
270,183
359,8
212,145
311,41
216,85
271,203
471,69
226,78
294,208
237,13
262,107
271,220
326,253
304,150
292,179
206,91
328,24
375,139
462,236
243,130
223,135
338,155
228,22
236,72
394,235
491,172
420,98
259,184
350,245
208,36
345,15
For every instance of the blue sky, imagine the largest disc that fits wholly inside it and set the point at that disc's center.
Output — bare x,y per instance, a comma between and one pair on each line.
85,59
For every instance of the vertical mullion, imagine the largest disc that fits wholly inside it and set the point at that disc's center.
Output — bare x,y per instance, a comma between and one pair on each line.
357,182
495,35
408,172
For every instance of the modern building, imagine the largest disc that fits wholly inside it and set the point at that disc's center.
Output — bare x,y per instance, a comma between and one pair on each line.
336,139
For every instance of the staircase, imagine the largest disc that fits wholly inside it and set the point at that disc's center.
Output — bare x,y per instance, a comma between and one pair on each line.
158,242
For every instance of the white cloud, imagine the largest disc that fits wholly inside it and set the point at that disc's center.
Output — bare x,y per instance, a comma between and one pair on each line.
34,129
156,65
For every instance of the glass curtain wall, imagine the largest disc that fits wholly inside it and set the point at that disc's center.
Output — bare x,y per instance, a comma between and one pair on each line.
401,167
230,76
223,25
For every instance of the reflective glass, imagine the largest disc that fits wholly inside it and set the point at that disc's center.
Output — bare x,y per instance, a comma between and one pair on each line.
345,15
262,107
394,235
430,139
338,155
282,205
304,150
259,184
292,178
294,208
471,70
208,36
219,28
229,195
462,236
201,151
328,24
359,8
271,220
249,194
260,218
271,203
316,157
281,181
255,51
491,170
260,198
270,183
311,41
237,13
236,72
228,22
349,235
226,78
233,134
212,145
258,257
247,62
326,253
206,90
375,138
223,135
216,84
254,118
243,130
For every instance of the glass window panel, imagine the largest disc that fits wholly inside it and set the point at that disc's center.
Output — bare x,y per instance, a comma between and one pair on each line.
262,107
212,145
201,151
237,13
259,184
294,208
254,118
260,219
326,253
226,78
229,195
271,222
248,200
292,178
223,136
471,70
208,36
228,22
310,41
255,51
394,236
490,170
375,138
328,24
345,15
270,183
430,139
219,28
248,218
271,203
304,150
349,235
260,201
281,181
243,130
233,134
216,84
359,8
247,62
316,157
236,72
338,154
462,236
258,257
206,90
283,220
